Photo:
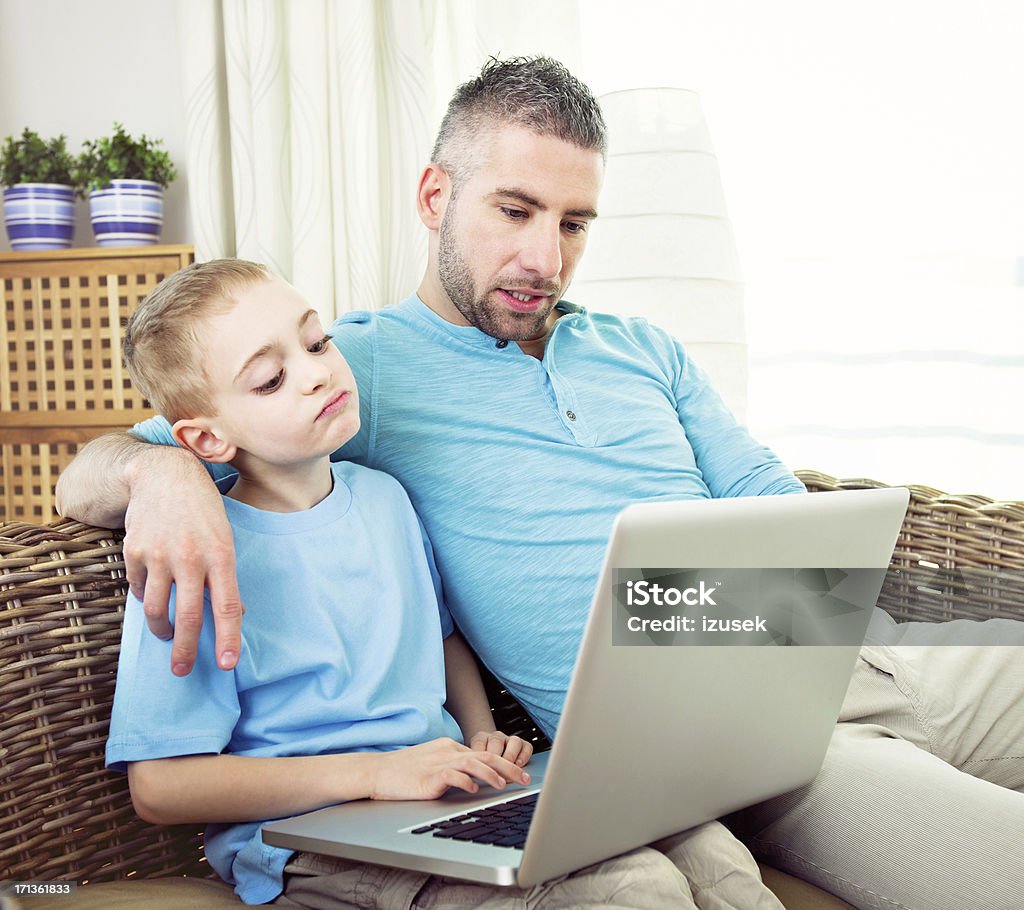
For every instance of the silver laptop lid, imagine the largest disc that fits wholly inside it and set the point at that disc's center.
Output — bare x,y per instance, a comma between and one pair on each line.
656,739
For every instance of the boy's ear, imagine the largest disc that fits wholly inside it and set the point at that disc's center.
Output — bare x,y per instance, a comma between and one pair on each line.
433,195
202,440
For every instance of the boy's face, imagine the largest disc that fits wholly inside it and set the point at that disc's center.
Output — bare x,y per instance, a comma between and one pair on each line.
283,393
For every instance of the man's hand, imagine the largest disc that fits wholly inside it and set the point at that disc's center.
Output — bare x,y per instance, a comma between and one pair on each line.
176,532
512,748
428,770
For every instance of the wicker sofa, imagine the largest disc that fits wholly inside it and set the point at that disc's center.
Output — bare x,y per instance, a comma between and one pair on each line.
64,817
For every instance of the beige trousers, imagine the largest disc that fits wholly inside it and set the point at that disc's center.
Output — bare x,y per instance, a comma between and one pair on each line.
702,869
920,803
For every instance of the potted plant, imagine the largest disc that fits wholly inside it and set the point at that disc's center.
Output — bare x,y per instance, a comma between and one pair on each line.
126,178
38,176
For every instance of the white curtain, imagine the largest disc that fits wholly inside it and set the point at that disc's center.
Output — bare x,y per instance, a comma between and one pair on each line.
308,123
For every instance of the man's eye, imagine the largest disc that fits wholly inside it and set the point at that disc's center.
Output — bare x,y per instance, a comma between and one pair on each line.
514,214
318,347
271,384
576,227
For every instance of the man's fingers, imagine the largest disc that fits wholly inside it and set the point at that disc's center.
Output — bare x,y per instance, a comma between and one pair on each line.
188,622
135,573
227,611
155,595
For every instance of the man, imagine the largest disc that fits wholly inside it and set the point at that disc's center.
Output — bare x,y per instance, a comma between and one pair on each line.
507,449
520,424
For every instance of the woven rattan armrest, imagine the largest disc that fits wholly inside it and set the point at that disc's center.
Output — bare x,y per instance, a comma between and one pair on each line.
957,557
62,814
62,588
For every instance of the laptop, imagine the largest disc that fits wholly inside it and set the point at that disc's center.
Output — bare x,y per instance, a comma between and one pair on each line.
661,730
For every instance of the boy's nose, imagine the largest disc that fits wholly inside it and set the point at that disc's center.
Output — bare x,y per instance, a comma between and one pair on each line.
316,375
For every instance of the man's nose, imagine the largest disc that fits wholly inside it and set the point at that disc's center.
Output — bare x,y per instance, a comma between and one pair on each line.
542,252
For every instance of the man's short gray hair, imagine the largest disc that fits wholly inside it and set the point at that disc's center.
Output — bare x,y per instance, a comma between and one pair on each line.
538,93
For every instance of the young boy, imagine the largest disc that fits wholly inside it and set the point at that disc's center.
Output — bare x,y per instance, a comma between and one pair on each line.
343,689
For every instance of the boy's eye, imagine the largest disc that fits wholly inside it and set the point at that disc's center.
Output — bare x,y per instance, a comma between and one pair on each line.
318,347
271,384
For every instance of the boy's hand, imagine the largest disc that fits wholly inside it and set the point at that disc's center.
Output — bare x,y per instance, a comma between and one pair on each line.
426,771
513,748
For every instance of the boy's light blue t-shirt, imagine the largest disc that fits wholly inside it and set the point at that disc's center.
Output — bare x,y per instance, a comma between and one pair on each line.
341,652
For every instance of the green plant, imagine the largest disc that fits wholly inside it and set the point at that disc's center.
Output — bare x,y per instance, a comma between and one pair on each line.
32,159
121,156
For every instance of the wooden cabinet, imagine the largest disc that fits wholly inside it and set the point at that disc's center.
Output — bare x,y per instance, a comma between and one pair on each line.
62,378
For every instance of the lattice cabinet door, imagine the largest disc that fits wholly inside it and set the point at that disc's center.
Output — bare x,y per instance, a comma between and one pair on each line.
62,378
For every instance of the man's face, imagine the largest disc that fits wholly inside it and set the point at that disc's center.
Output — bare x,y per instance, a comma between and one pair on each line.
283,392
514,230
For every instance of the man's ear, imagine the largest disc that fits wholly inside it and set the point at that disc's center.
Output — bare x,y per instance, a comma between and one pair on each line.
202,440
433,195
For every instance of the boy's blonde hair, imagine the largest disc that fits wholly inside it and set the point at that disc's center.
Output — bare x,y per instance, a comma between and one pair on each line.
161,344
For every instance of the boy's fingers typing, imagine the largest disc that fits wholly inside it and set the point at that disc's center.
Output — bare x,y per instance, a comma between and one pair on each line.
513,748
450,777
518,750
427,770
489,741
508,770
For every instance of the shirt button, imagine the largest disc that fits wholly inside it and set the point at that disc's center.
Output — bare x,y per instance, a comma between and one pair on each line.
571,415
501,345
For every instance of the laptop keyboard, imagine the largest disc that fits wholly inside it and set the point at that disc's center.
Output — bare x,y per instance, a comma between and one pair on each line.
502,825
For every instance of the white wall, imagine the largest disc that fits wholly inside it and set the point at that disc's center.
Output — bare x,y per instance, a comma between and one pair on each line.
76,67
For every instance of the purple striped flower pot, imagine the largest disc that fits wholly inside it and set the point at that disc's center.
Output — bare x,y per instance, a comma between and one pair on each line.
127,213
39,216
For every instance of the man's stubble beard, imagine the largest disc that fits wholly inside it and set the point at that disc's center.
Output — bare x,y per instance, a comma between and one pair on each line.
478,309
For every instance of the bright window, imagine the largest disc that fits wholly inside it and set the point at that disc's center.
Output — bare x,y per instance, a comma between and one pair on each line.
873,161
